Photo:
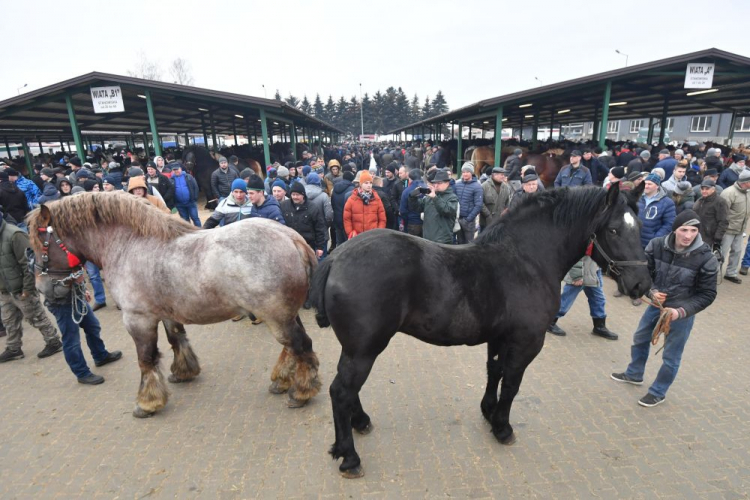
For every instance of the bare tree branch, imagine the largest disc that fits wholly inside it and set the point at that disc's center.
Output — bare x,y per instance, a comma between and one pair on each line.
146,69
181,72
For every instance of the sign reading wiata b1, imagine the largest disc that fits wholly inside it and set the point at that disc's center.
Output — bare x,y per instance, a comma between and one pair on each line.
107,99
699,75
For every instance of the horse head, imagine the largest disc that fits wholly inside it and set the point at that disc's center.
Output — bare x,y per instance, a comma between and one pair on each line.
615,244
57,265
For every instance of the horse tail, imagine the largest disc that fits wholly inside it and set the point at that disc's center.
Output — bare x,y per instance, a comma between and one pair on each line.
318,291
309,259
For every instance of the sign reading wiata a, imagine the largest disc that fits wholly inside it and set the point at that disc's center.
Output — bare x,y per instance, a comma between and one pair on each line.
699,75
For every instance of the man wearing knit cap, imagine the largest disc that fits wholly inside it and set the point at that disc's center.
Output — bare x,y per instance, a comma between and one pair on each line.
684,274
713,212
469,193
222,178
655,209
262,206
316,196
738,197
306,219
279,190
231,209
666,163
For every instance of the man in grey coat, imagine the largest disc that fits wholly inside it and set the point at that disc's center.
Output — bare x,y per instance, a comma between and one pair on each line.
496,197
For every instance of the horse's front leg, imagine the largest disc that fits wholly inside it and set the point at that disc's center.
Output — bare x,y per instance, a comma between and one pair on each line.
297,368
185,366
494,374
153,392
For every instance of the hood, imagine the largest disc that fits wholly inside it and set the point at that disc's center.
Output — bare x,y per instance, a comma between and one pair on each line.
49,190
137,182
697,243
313,191
60,181
340,187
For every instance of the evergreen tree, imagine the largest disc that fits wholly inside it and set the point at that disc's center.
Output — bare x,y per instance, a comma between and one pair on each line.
341,115
329,111
277,96
292,101
368,113
439,106
415,112
318,107
305,105
427,108
353,117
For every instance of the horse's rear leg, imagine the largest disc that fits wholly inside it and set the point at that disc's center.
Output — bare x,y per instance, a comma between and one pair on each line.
281,376
517,359
495,358
152,392
344,391
185,366
306,382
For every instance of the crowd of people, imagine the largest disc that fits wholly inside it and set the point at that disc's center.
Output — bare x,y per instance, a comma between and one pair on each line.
333,194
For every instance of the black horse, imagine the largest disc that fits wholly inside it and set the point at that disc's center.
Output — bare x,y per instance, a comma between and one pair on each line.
502,290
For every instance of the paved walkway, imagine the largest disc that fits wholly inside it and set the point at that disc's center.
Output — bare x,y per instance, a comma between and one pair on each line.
580,435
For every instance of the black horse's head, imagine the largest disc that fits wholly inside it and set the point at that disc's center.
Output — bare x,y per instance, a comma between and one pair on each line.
616,241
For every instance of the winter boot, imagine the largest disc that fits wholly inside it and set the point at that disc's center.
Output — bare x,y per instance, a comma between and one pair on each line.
600,328
556,330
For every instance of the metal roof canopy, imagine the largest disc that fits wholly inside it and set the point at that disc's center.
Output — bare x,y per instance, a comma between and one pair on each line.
177,109
650,90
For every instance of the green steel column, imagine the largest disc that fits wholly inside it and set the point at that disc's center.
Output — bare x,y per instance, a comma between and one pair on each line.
62,146
552,125
203,128
247,130
650,136
187,140
595,128
74,125
293,139
498,135
7,148
234,130
664,112
145,143
215,144
603,124
732,122
459,148
27,157
152,122
41,148
264,131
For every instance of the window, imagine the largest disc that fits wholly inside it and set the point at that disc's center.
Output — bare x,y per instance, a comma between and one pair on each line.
700,124
742,124
635,126
613,127
670,125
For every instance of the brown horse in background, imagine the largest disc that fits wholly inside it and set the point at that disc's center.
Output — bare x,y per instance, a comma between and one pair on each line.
481,157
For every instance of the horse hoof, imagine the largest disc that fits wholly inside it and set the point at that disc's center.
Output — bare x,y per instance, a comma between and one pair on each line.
354,473
275,388
295,403
175,380
141,413
509,440
366,430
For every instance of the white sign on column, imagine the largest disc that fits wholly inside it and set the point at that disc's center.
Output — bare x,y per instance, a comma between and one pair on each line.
699,75
107,99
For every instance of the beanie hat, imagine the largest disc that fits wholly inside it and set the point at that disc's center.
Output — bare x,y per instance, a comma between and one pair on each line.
282,172
77,189
467,168
272,173
738,158
113,164
679,152
88,185
135,172
708,183
517,151
618,172
531,176
645,155
365,177
82,174
297,187
48,172
306,170
108,179
313,179
246,173
660,172
654,178
349,176
682,187
255,184
239,184
686,218
391,168
744,176
222,159
75,161
664,152
279,183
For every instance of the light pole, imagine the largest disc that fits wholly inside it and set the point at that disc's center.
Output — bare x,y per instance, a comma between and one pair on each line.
538,80
264,90
21,87
361,112
623,54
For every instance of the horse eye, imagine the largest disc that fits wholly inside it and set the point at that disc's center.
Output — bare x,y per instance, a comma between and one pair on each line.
613,231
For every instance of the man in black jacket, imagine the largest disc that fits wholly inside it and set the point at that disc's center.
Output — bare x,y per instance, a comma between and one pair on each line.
12,199
684,273
161,183
341,192
305,218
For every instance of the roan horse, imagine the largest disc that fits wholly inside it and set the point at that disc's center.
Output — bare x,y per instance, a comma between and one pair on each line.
470,294
254,265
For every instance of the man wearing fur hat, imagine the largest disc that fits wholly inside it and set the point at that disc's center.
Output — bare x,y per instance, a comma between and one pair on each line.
684,273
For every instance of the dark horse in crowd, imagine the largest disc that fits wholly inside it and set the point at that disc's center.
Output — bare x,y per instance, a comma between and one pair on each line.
470,294
198,161
254,265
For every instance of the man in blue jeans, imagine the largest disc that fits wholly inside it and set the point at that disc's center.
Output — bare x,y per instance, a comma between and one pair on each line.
586,276
185,193
684,273
100,297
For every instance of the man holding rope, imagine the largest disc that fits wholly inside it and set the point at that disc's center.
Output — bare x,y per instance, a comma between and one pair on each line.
684,273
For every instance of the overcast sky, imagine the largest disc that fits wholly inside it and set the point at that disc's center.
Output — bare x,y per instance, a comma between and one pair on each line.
471,50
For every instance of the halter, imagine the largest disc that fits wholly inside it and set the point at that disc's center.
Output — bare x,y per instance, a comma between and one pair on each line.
75,278
613,266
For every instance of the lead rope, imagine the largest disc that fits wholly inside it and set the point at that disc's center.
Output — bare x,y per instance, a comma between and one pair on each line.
78,301
662,326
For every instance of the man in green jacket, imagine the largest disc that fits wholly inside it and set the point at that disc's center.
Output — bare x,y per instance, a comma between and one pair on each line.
18,296
440,207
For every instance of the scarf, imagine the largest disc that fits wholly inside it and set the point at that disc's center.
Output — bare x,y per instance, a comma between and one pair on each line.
366,197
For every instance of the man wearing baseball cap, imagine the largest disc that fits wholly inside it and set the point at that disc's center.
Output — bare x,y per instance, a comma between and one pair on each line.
685,274
574,174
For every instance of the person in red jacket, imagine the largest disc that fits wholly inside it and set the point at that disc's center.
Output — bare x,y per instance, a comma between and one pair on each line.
364,209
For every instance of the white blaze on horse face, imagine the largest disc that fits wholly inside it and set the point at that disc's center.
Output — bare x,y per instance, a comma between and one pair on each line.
629,219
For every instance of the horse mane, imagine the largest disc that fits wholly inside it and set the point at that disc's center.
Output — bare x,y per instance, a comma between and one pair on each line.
81,213
568,207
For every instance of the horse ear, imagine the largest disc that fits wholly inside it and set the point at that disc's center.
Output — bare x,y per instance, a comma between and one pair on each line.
638,191
613,193
45,217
